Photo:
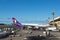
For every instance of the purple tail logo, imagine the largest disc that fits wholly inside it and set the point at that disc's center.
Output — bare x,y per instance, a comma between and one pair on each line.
16,22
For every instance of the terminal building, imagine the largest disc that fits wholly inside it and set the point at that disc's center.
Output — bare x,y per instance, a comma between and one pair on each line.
56,22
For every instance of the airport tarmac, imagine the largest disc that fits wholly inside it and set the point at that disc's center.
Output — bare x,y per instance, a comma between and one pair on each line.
56,36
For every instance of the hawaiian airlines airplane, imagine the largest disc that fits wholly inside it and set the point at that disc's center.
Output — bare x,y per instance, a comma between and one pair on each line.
35,25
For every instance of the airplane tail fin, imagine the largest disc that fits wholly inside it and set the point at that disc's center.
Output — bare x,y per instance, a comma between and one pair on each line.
16,22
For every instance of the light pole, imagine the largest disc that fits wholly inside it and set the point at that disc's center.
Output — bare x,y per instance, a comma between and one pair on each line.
53,18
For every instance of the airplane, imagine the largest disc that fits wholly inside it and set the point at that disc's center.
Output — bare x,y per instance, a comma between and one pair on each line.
35,26
29,26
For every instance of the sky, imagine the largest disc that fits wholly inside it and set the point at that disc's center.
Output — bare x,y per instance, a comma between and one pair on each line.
28,10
